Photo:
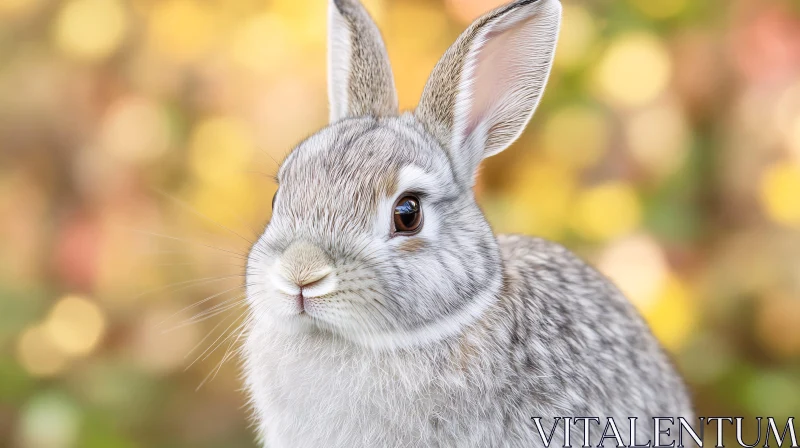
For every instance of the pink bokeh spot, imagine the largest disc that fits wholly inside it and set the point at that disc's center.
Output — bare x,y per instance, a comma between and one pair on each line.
767,46
76,252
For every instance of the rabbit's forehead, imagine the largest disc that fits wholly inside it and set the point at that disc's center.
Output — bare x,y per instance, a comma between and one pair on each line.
346,158
364,160
343,176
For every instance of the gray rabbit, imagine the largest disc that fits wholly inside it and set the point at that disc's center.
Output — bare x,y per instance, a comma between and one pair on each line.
385,312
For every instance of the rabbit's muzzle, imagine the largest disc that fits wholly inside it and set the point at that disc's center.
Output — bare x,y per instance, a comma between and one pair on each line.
304,271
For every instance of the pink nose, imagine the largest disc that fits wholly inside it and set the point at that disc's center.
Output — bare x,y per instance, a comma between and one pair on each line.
312,279
305,271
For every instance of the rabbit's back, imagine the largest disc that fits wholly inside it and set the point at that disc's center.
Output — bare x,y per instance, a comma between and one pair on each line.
576,346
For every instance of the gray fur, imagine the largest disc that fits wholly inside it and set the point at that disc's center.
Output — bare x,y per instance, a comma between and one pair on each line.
367,83
452,337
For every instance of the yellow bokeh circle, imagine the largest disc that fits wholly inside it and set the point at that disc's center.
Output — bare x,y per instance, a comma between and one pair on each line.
220,150
38,354
75,325
780,187
182,29
90,29
606,211
576,135
577,36
635,69
673,315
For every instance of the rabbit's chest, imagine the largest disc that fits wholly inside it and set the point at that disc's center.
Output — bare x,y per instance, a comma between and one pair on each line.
344,398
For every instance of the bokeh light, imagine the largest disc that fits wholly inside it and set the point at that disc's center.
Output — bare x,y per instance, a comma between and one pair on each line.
465,11
540,199
778,325
793,139
779,193
634,70
660,9
182,29
261,43
220,150
90,29
161,349
135,129
673,315
38,353
577,37
140,140
576,135
50,420
658,137
787,119
11,9
638,266
606,211
75,325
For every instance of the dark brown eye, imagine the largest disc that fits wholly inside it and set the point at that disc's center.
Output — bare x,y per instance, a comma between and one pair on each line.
407,215
273,200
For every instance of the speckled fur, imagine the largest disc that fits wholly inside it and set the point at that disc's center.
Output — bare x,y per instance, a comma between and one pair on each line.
452,337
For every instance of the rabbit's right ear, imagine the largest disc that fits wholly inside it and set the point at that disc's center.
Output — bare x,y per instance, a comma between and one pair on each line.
360,80
485,88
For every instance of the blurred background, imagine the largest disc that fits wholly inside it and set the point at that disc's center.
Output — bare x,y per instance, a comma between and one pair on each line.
138,139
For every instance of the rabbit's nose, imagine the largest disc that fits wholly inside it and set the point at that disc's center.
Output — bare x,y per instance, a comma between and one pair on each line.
304,269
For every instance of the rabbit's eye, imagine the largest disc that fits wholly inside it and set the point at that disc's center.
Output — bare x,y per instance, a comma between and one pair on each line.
273,199
407,215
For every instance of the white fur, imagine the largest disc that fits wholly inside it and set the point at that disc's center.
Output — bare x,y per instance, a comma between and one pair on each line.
339,56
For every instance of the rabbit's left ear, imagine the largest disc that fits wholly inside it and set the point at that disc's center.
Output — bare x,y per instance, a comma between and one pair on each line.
485,88
360,78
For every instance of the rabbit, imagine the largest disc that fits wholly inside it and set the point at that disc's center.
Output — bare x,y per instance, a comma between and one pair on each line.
384,310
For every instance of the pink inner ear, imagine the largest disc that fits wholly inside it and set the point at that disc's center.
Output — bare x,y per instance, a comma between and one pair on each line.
509,68
490,81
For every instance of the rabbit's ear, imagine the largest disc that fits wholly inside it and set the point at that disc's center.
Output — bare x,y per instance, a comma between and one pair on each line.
360,78
485,88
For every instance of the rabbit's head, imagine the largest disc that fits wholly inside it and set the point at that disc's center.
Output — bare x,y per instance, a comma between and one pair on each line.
375,235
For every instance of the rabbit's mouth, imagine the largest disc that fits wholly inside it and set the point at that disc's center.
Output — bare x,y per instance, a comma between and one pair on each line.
302,306
306,305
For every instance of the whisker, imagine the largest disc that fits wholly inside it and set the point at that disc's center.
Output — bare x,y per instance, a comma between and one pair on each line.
240,330
200,342
186,284
200,302
222,342
267,175
216,310
214,345
214,328
180,252
277,164
195,263
194,211
170,237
